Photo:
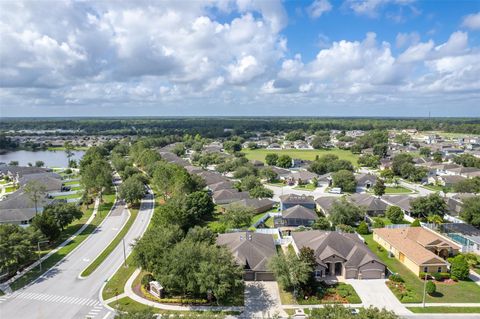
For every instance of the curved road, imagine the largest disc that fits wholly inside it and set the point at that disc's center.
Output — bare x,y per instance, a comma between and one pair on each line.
59,293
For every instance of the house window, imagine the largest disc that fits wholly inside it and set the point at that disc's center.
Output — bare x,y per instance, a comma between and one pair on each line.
318,273
425,269
439,269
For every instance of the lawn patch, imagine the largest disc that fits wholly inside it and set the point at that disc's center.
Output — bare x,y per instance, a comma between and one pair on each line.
444,309
259,154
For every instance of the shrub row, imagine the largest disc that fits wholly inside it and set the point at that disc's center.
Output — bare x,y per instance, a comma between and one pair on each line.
151,297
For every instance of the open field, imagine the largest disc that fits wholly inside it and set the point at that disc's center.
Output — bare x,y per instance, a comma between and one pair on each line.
259,154
462,291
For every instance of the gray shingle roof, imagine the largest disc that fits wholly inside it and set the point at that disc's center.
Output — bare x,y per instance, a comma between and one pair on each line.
368,201
299,212
296,199
252,249
345,245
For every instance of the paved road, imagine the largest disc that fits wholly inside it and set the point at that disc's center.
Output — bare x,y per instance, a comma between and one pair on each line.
60,293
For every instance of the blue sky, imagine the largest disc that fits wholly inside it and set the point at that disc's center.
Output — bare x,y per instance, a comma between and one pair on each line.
240,57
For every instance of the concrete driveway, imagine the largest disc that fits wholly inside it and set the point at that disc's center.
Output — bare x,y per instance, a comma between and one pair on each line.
374,292
262,300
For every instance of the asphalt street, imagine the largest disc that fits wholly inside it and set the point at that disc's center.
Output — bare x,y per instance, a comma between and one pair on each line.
60,293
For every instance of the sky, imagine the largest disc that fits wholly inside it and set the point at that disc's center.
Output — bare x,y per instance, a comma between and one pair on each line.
240,58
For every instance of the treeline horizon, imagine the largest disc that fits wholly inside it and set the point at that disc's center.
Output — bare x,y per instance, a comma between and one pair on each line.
215,126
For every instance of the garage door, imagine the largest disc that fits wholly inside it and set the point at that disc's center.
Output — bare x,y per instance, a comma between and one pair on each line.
371,274
264,276
248,276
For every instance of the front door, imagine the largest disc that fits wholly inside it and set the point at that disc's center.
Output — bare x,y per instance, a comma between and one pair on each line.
338,269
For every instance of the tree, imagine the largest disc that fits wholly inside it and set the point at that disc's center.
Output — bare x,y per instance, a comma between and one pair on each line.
260,192
468,185
431,288
368,160
437,156
416,223
362,228
268,174
132,190
459,267
294,135
379,188
237,216
249,182
198,206
425,206
399,160
16,247
394,214
344,212
345,180
39,163
284,161
63,213
378,223
425,151
403,139
290,271
470,212
320,141
13,163
380,150
95,175
47,225
232,146
322,223
35,191
271,159
307,255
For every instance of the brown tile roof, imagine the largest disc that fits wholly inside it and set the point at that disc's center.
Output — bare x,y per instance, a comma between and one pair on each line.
411,241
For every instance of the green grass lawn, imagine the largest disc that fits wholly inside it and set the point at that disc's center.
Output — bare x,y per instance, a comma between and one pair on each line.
257,217
397,190
387,221
126,304
306,187
116,284
352,297
76,188
269,222
444,309
10,189
70,196
259,154
71,183
462,291
3,182
104,254
437,188
277,184
103,210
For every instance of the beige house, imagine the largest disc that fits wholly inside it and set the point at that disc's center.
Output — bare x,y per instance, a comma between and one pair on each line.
419,249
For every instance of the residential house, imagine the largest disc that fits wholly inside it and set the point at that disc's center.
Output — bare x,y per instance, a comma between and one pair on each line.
252,251
298,216
220,185
260,205
419,249
227,196
365,181
325,203
402,201
290,200
300,177
373,205
340,254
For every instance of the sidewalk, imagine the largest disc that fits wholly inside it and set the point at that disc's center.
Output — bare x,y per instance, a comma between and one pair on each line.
129,293
474,276
6,285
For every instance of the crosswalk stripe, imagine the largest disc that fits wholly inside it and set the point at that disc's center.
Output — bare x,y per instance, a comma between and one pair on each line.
54,298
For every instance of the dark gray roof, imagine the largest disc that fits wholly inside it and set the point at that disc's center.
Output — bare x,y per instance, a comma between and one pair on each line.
220,185
21,170
252,249
345,245
226,196
302,175
173,158
255,203
212,178
368,201
326,202
300,212
296,199
51,181
364,178
402,201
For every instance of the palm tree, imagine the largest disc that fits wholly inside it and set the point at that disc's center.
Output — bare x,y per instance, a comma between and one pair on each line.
435,219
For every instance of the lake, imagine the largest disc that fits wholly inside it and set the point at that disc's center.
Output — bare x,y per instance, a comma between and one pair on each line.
50,158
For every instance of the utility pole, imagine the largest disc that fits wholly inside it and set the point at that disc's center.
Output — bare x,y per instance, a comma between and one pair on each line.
39,254
124,254
425,289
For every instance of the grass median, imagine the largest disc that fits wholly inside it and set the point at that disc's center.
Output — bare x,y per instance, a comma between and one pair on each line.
33,274
113,244
444,309
115,285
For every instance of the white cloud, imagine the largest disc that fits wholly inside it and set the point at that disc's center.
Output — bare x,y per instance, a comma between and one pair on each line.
406,39
371,7
472,21
319,7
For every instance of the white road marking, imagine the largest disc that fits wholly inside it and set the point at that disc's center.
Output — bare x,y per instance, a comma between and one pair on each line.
56,298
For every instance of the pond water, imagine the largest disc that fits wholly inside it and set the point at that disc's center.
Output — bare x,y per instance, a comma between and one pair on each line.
50,158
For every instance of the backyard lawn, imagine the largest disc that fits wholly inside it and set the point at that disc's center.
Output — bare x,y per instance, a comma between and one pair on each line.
70,196
437,188
462,291
306,187
259,154
397,190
